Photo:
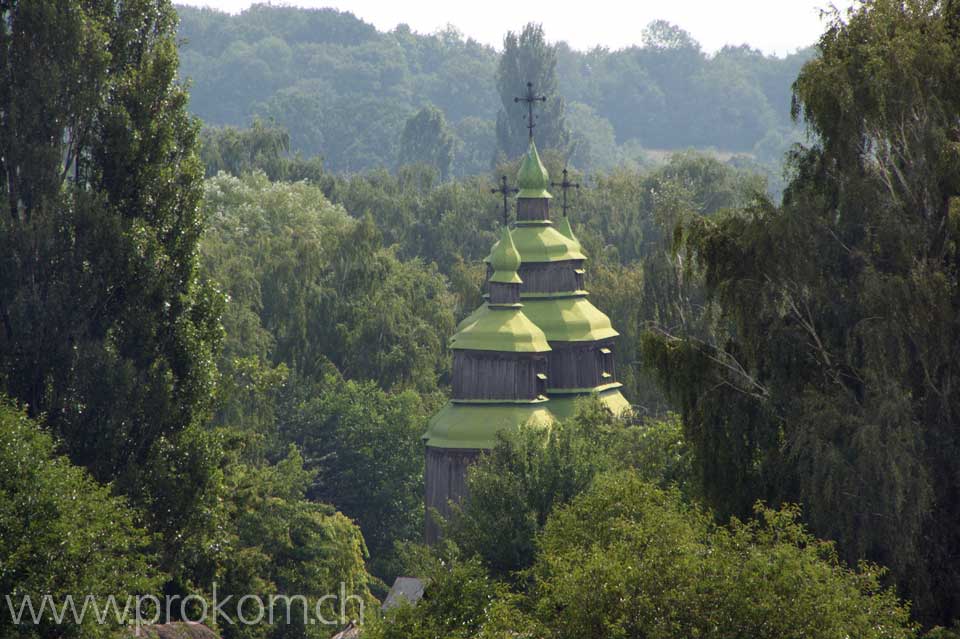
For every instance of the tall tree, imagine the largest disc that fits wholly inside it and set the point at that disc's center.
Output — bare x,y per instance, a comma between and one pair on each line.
427,140
839,386
105,326
529,58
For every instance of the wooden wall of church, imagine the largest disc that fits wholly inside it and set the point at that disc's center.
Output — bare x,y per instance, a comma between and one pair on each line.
494,375
549,277
446,481
533,209
581,364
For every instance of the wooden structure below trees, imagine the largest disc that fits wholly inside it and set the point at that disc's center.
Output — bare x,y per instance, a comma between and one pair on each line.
528,353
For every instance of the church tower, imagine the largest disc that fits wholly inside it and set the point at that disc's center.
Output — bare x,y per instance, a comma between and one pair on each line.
581,360
531,350
499,383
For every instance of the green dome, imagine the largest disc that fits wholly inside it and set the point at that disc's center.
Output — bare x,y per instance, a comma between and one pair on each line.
569,319
472,317
540,242
464,425
505,260
506,330
562,319
533,178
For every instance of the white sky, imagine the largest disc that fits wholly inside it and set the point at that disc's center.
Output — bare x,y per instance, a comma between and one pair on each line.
774,26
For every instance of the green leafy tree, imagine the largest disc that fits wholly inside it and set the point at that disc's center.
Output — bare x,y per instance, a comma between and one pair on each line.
107,329
278,542
261,146
427,140
315,287
477,144
592,140
628,559
835,387
514,488
456,604
316,302
365,447
528,58
238,151
62,533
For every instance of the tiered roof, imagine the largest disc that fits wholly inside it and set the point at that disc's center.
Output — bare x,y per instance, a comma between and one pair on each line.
543,318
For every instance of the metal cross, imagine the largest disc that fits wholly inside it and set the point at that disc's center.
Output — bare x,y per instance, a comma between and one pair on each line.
506,191
566,184
530,98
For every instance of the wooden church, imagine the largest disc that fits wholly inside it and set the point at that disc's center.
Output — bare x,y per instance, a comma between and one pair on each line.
529,352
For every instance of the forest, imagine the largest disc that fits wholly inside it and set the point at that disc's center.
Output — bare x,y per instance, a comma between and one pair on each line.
233,250
344,91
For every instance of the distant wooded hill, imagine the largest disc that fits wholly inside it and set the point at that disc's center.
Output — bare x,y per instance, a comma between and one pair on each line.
345,90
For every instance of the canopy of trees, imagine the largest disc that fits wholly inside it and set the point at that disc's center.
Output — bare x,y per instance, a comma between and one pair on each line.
344,90
835,386
617,556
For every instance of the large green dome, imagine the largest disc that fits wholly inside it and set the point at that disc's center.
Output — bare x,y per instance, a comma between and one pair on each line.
466,425
541,242
563,403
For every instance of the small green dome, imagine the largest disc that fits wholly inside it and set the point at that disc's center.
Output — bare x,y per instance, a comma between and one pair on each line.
533,178
505,260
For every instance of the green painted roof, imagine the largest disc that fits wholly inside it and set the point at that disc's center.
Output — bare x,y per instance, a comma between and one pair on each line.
472,317
565,406
533,178
541,243
505,260
504,329
562,319
476,425
569,319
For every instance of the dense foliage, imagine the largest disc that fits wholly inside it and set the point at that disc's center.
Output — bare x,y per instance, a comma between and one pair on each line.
111,334
61,533
333,344
529,475
625,558
837,384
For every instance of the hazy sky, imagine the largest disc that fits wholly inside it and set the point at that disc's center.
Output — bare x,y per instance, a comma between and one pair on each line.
774,26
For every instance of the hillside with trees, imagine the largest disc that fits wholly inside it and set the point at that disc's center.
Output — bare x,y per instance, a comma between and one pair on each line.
347,92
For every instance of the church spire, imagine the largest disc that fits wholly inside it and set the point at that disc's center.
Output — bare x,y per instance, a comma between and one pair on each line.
533,178
505,260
